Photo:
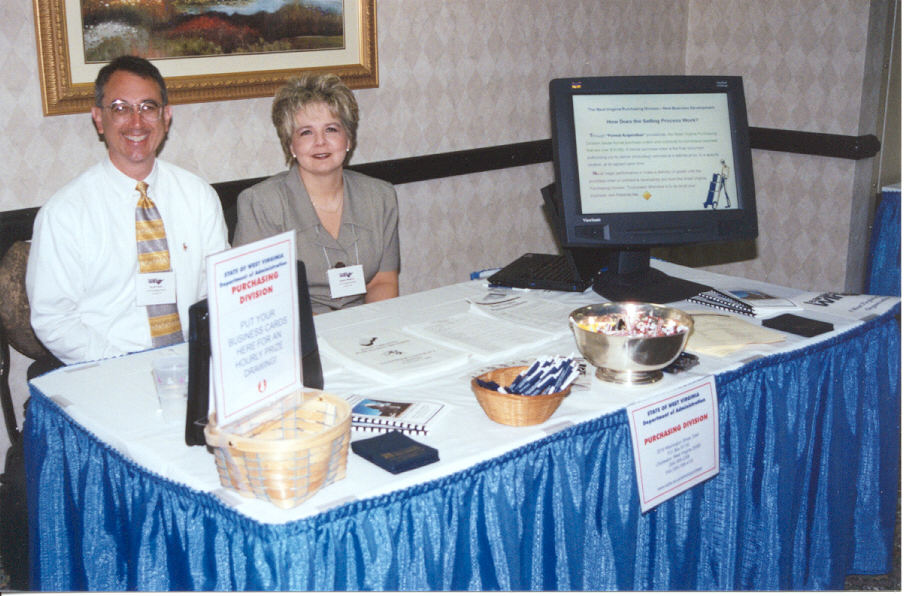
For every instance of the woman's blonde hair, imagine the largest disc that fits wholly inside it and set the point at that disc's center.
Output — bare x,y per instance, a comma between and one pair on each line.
301,91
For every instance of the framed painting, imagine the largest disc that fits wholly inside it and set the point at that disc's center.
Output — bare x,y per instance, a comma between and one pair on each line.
208,50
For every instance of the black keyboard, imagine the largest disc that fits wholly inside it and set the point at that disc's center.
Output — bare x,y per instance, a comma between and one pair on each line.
553,267
542,271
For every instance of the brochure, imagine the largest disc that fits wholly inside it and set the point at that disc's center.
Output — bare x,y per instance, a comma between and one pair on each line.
852,306
390,355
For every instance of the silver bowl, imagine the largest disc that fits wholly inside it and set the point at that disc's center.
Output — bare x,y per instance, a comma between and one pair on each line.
623,358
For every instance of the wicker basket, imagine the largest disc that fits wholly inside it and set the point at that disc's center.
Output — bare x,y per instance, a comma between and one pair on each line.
286,454
513,409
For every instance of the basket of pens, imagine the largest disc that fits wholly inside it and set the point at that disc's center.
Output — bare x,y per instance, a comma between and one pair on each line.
525,395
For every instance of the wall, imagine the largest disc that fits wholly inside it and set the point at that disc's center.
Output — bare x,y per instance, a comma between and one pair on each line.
462,74
803,68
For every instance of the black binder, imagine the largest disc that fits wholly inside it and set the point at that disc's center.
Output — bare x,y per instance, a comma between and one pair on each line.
199,358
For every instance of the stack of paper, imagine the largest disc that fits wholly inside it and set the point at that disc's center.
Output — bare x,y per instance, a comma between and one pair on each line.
478,334
536,313
721,335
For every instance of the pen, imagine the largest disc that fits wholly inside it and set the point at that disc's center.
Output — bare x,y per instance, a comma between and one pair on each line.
563,375
533,367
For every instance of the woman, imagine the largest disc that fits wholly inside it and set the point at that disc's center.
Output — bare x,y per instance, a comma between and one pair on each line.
346,223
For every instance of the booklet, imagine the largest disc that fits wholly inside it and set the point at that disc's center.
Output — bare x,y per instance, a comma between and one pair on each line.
378,415
390,355
763,302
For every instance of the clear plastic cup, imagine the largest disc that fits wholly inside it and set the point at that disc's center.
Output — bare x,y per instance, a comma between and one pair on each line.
171,379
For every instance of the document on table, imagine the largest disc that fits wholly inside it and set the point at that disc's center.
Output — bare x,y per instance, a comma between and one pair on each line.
479,334
853,306
721,335
391,355
764,303
535,313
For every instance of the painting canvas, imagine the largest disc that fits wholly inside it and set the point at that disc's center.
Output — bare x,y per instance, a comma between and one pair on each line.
159,29
208,50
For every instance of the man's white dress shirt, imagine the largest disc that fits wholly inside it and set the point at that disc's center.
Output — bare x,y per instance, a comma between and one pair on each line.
83,264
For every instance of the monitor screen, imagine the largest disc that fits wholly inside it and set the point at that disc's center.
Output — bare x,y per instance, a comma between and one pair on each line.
650,161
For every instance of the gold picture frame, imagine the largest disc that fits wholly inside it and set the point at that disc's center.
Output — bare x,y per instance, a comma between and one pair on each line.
67,81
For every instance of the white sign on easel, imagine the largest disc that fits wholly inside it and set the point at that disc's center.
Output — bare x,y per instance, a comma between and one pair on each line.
254,328
676,441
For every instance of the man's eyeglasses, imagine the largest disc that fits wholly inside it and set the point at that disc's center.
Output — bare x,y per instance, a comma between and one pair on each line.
150,111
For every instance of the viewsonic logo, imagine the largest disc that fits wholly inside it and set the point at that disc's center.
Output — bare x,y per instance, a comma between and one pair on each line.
345,274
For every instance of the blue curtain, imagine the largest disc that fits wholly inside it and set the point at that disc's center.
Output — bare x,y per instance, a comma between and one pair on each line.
884,273
806,494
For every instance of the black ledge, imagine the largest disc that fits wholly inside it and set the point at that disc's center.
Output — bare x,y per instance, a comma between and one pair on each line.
472,161
814,143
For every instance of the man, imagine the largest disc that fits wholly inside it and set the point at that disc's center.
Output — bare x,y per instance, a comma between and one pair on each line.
105,277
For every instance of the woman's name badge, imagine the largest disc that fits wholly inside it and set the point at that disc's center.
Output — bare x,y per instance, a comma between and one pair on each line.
155,288
346,281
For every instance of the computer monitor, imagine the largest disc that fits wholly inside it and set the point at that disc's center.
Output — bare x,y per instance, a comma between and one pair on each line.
650,161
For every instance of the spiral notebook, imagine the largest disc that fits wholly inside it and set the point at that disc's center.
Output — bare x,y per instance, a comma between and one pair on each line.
377,415
723,301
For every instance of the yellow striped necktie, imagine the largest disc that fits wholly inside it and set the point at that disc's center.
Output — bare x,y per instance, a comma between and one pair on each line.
153,257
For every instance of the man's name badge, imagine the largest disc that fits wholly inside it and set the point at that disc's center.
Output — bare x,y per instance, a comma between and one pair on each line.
156,288
346,281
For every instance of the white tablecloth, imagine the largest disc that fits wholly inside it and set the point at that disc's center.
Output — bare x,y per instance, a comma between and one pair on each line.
115,399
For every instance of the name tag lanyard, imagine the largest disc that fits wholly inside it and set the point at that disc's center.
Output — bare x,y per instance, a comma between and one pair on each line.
345,280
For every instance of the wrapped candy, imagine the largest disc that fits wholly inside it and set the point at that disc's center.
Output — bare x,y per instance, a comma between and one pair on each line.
633,325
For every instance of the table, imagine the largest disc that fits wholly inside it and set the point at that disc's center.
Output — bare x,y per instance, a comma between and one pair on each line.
809,449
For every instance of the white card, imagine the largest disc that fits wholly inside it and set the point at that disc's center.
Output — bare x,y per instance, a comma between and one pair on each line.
254,325
155,288
675,436
346,281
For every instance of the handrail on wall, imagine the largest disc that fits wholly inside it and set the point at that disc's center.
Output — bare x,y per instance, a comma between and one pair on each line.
472,161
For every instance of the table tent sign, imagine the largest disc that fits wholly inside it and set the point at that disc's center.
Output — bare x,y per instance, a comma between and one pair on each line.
252,295
675,438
